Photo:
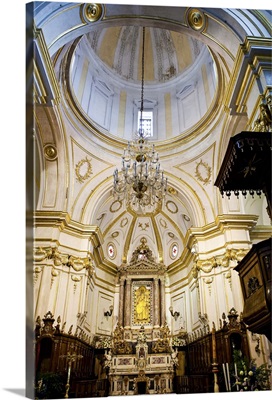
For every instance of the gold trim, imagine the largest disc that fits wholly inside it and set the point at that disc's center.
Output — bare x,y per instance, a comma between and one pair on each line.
200,176
91,12
115,202
114,250
81,178
50,152
196,19
167,206
119,143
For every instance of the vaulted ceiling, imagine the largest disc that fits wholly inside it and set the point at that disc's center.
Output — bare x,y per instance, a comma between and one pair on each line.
96,53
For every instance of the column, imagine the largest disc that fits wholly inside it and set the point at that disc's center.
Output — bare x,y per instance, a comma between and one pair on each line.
156,303
162,302
121,302
127,307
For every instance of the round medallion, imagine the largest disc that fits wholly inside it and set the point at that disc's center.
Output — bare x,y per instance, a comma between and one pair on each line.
50,152
174,251
196,19
92,12
111,251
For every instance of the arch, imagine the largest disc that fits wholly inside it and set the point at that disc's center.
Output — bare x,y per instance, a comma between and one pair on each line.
65,22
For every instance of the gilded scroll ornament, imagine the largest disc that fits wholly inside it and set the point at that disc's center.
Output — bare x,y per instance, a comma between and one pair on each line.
59,259
37,270
171,190
203,172
84,163
219,261
263,122
50,152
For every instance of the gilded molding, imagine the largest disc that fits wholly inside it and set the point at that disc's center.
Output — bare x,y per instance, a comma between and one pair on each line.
50,86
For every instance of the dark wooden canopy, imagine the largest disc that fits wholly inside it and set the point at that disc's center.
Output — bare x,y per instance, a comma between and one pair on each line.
246,167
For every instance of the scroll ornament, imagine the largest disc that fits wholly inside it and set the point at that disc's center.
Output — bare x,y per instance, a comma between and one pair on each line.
77,263
263,122
213,262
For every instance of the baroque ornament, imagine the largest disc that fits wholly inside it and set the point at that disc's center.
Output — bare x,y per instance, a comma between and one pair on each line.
83,164
220,261
171,207
203,172
91,12
196,19
115,206
50,152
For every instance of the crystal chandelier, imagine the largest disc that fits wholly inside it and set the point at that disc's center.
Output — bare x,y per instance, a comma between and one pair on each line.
140,182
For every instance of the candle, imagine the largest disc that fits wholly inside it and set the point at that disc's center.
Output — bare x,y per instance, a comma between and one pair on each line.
213,346
225,378
228,375
236,375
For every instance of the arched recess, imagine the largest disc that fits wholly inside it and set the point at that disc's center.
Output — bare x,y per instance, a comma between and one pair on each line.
51,156
194,197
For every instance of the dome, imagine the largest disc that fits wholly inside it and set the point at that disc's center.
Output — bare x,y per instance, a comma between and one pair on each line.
106,77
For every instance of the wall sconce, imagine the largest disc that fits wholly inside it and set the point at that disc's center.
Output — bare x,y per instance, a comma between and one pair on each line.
175,314
109,313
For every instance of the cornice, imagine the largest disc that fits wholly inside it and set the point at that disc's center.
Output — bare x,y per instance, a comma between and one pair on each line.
220,225
254,51
46,84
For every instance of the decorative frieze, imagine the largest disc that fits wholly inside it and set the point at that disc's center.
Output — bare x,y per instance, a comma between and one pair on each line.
223,260
59,259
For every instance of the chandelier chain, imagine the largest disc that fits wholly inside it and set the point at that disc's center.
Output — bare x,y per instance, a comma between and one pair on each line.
140,182
143,60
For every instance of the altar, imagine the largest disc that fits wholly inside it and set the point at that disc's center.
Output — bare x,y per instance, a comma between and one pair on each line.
141,358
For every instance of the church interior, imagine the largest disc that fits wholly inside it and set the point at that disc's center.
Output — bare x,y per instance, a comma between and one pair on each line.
149,199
